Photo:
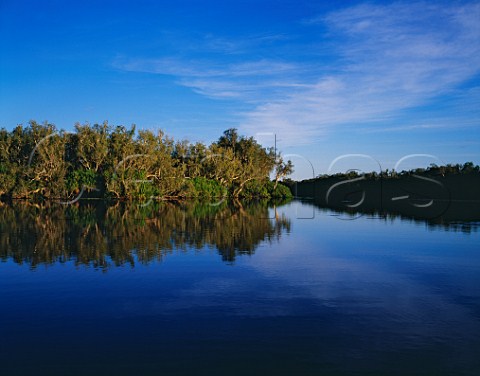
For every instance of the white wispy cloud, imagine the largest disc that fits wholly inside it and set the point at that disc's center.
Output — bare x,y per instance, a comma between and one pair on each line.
386,59
391,58
246,80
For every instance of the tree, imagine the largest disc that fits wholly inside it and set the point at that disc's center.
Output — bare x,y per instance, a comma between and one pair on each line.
243,160
120,146
282,170
92,146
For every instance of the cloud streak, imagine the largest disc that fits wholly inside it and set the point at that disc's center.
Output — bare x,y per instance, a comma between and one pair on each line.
386,59
391,58
245,80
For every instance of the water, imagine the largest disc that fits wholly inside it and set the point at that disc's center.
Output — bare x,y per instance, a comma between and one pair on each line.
235,289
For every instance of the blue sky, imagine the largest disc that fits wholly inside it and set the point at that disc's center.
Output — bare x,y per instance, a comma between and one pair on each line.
383,79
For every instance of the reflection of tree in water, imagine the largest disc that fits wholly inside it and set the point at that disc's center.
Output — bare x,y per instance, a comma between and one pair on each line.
459,217
99,235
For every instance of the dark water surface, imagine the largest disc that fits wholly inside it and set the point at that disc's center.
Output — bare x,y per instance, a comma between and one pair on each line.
234,289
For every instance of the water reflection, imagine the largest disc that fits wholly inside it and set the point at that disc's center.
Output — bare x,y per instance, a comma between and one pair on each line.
455,216
450,204
102,234
372,296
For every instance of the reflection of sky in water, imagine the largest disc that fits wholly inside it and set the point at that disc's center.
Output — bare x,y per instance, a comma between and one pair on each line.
363,295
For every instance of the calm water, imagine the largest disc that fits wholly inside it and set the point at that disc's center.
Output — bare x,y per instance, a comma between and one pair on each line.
227,290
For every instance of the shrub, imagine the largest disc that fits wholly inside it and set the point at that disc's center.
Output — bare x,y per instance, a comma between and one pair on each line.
207,188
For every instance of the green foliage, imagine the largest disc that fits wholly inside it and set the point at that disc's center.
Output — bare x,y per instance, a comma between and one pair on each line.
37,161
7,180
81,178
281,191
255,189
271,189
207,188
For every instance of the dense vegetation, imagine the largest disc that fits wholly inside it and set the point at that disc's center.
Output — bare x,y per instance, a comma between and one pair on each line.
40,162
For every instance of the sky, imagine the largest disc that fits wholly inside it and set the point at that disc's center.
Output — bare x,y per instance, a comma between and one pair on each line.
340,85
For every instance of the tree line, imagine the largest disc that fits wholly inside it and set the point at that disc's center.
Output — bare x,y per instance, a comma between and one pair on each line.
433,170
38,161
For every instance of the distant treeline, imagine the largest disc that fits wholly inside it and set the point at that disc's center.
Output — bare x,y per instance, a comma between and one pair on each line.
433,171
40,162
450,191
